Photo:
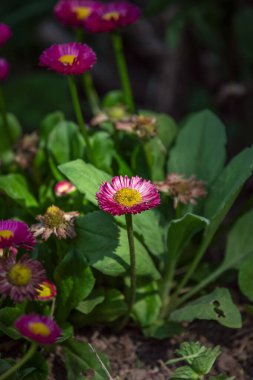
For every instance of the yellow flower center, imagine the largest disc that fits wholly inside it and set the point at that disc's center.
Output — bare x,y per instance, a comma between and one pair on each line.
39,328
44,290
82,12
6,234
19,274
67,59
54,217
128,197
111,16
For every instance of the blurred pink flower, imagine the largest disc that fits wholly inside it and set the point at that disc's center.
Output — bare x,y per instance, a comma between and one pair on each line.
64,188
4,68
75,12
5,33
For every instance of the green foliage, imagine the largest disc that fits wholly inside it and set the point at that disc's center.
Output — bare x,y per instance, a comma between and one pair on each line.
15,187
8,316
217,306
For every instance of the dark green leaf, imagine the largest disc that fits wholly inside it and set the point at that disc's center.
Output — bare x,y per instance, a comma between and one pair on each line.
15,187
102,151
8,316
49,122
162,329
94,299
245,278
35,369
184,372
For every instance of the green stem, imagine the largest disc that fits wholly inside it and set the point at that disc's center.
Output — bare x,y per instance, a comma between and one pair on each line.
20,363
91,93
52,308
130,236
78,111
123,72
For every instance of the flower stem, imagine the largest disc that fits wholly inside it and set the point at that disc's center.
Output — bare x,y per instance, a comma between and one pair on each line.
130,235
20,363
91,93
78,111
122,67
52,308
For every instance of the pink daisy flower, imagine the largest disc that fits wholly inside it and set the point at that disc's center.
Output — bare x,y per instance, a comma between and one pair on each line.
39,328
46,291
112,16
19,279
64,188
14,233
69,59
127,196
75,12
5,33
4,69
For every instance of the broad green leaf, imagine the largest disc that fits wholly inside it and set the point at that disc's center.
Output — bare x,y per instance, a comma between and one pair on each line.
181,231
189,351
113,98
94,299
217,306
102,151
105,246
35,369
8,316
67,331
113,307
65,142
15,187
147,226
200,147
162,329
85,177
8,137
184,372
49,122
245,278
147,305
228,185
74,281
240,242
155,155
204,363
81,362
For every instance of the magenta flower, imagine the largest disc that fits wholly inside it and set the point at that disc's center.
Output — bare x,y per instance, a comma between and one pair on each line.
46,291
14,233
5,33
69,59
127,196
75,12
19,279
64,188
39,328
4,69
112,16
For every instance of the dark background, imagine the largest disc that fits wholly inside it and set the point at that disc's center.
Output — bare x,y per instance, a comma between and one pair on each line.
183,56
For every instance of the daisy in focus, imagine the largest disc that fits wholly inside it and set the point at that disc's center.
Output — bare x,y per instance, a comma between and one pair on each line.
112,16
14,234
182,190
127,196
19,279
74,13
68,59
38,328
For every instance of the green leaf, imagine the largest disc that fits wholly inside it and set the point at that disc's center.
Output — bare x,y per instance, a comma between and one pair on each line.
65,142
200,147
217,306
8,137
102,151
113,98
74,280
81,362
204,363
94,299
162,329
181,231
15,187
37,366
189,351
85,177
184,372
240,242
147,226
246,279
49,122
67,331
105,246
8,316
155,155
147,305
108,311
7,364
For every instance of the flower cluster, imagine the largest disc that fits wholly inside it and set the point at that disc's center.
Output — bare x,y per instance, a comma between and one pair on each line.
5,34
96,16
127,195
183,190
